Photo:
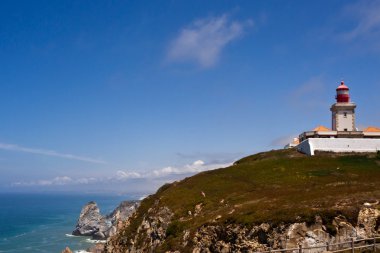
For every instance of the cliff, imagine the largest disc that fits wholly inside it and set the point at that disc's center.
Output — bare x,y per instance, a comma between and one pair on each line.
276,199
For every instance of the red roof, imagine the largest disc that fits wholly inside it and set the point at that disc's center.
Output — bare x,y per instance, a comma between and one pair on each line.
342,86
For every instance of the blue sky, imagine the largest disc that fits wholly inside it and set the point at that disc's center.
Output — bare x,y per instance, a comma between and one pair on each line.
122,96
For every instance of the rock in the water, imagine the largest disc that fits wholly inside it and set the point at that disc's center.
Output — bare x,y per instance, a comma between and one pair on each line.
92,223
99,236
90,220
67,250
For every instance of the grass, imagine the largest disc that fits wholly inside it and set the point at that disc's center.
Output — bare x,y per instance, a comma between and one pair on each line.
276,187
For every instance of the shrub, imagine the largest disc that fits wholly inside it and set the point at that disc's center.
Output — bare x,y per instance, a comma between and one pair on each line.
174,229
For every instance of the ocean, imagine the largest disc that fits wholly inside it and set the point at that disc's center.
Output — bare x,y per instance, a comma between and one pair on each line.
44,222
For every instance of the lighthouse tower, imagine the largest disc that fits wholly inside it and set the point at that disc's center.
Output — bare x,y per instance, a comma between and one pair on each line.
343,111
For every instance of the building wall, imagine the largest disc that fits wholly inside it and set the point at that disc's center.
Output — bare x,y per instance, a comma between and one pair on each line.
333,121
306,147
343,116
311,145
345,120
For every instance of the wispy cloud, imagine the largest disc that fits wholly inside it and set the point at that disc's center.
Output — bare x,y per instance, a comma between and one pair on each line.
37,151
57,181
357,26
121,175
313,85
310,94
203,40
365,15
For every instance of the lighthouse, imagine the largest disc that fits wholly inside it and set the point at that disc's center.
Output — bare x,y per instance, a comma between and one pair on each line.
343,111
343,136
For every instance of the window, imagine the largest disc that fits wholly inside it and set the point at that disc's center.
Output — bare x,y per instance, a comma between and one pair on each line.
345,114
345,129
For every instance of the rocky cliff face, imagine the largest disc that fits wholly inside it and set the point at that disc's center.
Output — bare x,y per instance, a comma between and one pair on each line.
277,199
237,238
92,223
154,234
150,234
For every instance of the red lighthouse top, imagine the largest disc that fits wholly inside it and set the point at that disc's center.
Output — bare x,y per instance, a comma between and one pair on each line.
342,93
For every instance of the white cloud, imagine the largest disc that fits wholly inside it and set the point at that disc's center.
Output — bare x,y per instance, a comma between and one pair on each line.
204,40
167,173
126,175
55,181
62,180
366,20
85,180
198,163
58,181
195,167
14,147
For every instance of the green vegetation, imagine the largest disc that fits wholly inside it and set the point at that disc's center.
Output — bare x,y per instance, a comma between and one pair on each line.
175,229
275,187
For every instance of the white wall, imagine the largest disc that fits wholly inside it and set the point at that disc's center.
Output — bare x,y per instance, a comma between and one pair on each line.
339,145
306,147
345,122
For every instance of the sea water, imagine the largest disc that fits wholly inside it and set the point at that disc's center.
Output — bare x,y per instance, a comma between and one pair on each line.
44,222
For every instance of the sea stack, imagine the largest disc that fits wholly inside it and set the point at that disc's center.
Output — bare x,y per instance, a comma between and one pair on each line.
92,223
90,220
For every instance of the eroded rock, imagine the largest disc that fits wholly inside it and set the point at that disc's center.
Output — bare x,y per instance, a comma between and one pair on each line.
90,220
92,223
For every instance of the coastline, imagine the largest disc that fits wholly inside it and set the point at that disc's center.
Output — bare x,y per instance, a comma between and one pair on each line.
47,221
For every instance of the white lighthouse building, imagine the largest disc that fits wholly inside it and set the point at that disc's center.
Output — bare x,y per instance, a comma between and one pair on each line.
343,135
343,111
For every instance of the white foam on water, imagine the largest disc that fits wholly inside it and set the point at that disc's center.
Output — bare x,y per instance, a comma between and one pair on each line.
70,235
19,235
81,251
95,241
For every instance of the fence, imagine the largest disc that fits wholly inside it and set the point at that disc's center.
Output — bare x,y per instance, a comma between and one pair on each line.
369,243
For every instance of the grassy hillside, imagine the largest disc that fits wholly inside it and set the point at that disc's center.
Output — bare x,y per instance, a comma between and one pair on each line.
276,186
